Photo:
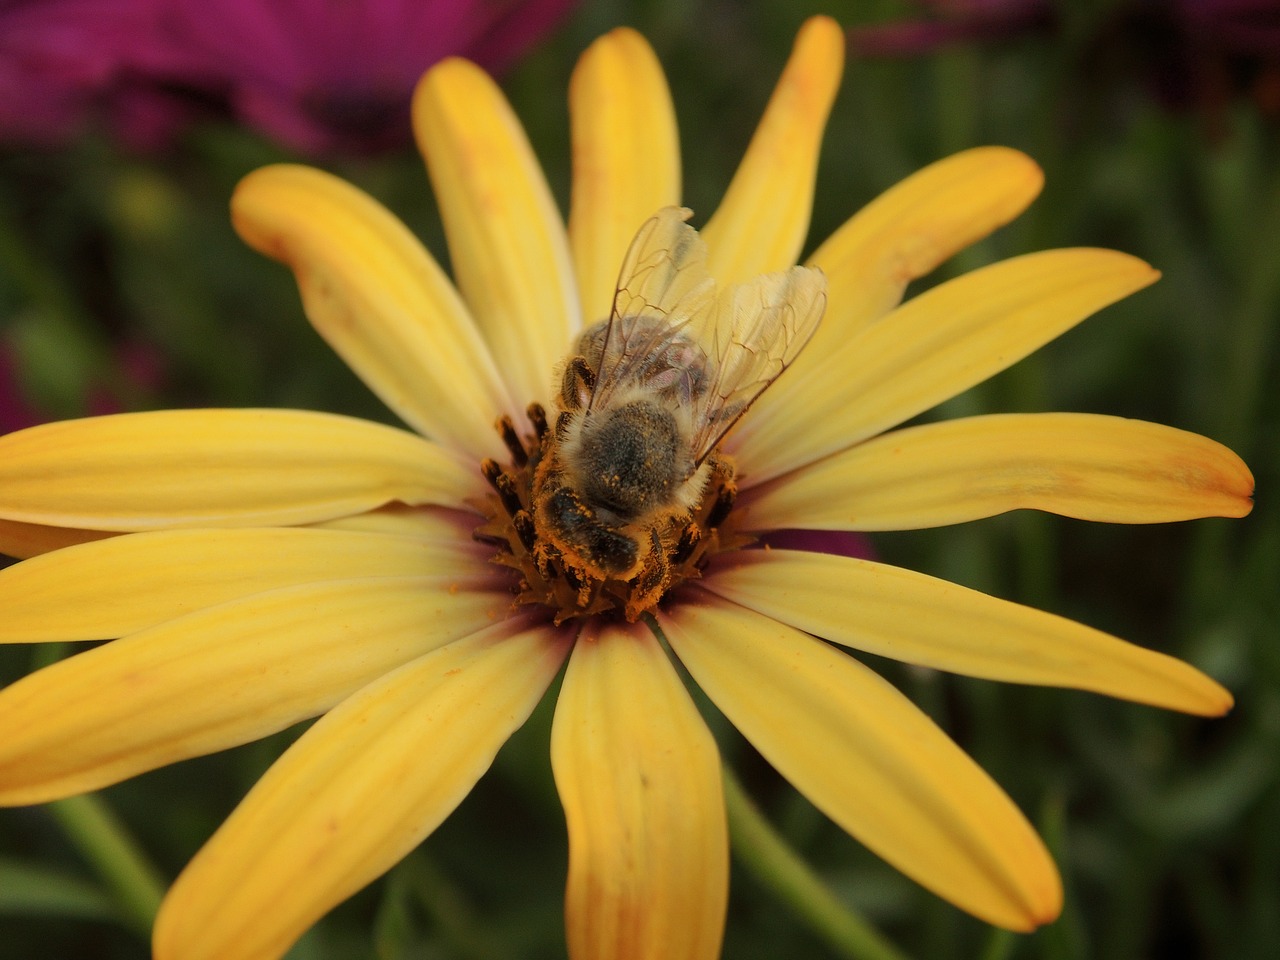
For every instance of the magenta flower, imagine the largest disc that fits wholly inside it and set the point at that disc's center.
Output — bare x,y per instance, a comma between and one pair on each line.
64,61
316,75
319,75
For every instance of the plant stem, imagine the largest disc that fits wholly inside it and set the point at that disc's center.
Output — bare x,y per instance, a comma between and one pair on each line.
104,841
763,851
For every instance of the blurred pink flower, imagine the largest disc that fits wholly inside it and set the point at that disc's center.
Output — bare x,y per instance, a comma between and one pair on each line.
319,75
948,22
62,61
1187,52
316,75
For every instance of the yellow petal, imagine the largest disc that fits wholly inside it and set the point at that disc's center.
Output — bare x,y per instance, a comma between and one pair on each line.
506,239
1079,465
24,540
626,158
908,616
398,520
762,222
124,584
639,776
913,227
379,299
901,235
869,759
355,794
170,468
932,348
221,676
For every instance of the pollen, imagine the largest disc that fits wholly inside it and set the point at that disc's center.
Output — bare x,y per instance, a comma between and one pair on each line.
562,582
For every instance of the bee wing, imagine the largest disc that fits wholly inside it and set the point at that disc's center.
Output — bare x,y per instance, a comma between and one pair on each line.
758,329
664,280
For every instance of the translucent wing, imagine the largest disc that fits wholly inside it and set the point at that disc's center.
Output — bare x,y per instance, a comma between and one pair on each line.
664,298
758,328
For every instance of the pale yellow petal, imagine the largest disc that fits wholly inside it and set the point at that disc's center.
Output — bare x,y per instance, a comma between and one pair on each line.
1079,465
900,236
355,794
626,158
913,227
761,224
379,299
226,468
24,540
639,777
399,520
128,583
869,759
908,616
933,347
222,676
506,239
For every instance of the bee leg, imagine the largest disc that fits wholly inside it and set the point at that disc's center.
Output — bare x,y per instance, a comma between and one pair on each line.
726,489
647,588
689,539
578,383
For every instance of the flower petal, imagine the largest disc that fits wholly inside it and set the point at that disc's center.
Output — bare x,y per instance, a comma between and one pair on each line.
124,584
639,776
869,759
908,616
226,468
626,159
506,239
379,299
24,540
900,236
933,347
355,794
913,227
221,676
398,520
763,219
1079,465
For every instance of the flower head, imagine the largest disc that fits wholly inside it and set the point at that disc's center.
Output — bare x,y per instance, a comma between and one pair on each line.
264,566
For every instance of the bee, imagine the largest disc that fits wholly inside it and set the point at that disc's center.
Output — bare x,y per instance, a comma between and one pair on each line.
645,400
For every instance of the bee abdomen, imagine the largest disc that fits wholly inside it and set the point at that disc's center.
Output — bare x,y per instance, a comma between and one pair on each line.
577,525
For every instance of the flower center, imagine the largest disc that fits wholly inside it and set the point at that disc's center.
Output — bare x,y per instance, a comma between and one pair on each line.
559,519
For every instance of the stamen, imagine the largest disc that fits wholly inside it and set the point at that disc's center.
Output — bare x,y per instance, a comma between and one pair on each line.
538,417
525,529
507,430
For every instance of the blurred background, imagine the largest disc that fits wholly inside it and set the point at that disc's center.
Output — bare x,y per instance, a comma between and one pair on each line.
125,124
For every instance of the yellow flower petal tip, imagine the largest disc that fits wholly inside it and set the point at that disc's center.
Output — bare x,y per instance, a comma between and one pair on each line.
262,191
449,71
1021,179
1209,699
820,43
1035,898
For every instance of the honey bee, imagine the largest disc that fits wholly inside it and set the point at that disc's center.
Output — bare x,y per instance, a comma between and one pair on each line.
645,400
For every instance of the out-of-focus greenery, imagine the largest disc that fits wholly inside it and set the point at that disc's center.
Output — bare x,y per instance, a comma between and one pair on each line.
1166,828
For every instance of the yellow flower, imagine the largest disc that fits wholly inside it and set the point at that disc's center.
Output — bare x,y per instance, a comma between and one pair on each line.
278,565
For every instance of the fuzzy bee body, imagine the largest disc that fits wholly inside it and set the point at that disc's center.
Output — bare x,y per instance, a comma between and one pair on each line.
646,397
